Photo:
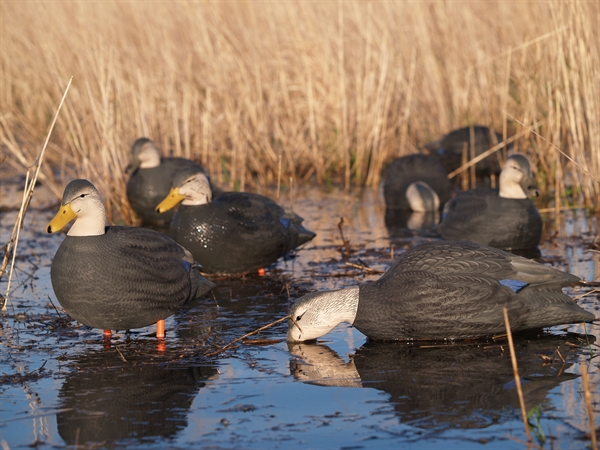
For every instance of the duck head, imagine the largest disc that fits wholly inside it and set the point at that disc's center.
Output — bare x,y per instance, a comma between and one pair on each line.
421,197
81,202
144,155
189,188
318,313
516,179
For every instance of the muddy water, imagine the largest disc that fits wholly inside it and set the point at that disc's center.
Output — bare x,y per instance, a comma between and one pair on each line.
62,385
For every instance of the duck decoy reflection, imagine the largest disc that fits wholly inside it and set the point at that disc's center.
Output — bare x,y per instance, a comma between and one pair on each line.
105,400
445,386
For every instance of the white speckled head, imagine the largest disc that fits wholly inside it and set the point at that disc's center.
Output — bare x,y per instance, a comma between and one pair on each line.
421,197
195,188
516,180
144,155
318,313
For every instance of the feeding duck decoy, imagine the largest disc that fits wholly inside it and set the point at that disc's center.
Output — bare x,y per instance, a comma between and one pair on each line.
150,179
503,218
449,149
233,233
118,278
444,290
414,189
417,183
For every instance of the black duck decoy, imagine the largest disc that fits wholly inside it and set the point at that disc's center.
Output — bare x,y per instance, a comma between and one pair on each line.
151,176
416,183
118,278
233,233
503,218
449,149
444,290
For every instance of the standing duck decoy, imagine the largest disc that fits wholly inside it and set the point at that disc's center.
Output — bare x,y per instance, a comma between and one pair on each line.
118,278
449,149
444,290
233,233
503,218
150,179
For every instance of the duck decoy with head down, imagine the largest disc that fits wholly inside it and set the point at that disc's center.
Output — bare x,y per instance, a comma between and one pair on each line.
444,290
449,149
415,188
118,278
233,233
150,179
503,218
417,183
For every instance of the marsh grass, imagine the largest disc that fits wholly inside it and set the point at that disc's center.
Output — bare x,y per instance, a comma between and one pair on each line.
326,92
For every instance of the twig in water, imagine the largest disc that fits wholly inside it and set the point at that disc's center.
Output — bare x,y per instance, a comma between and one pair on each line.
513,358
258,330
364,267
560,355
120,354
345,242
588,403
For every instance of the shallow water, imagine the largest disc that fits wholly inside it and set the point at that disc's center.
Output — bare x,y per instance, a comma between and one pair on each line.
62,385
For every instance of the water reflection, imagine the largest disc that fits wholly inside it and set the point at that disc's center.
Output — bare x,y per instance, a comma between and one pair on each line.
401,223
107,399
447,386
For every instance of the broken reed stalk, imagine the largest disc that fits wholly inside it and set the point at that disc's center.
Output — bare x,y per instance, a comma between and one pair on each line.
27,195
345,242
588,403
587,172
513,358
258,330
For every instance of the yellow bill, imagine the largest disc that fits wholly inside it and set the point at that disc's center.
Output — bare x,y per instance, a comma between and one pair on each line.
172,200
64,215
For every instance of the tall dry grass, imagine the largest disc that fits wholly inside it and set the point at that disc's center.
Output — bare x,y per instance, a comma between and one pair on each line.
328,91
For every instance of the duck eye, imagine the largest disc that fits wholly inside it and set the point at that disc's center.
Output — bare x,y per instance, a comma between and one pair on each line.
83,195
298,318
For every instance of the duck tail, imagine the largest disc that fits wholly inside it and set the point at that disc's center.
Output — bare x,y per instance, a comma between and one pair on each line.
200,285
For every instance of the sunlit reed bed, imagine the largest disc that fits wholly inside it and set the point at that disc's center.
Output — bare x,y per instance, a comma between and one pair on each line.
274,92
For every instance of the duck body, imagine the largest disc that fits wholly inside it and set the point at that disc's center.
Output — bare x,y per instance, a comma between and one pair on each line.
444,290
238,232
411,172
482,216
148,186
126,278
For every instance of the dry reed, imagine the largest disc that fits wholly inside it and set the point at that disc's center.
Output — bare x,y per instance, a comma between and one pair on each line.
588,403
30,181
328,91
513,359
